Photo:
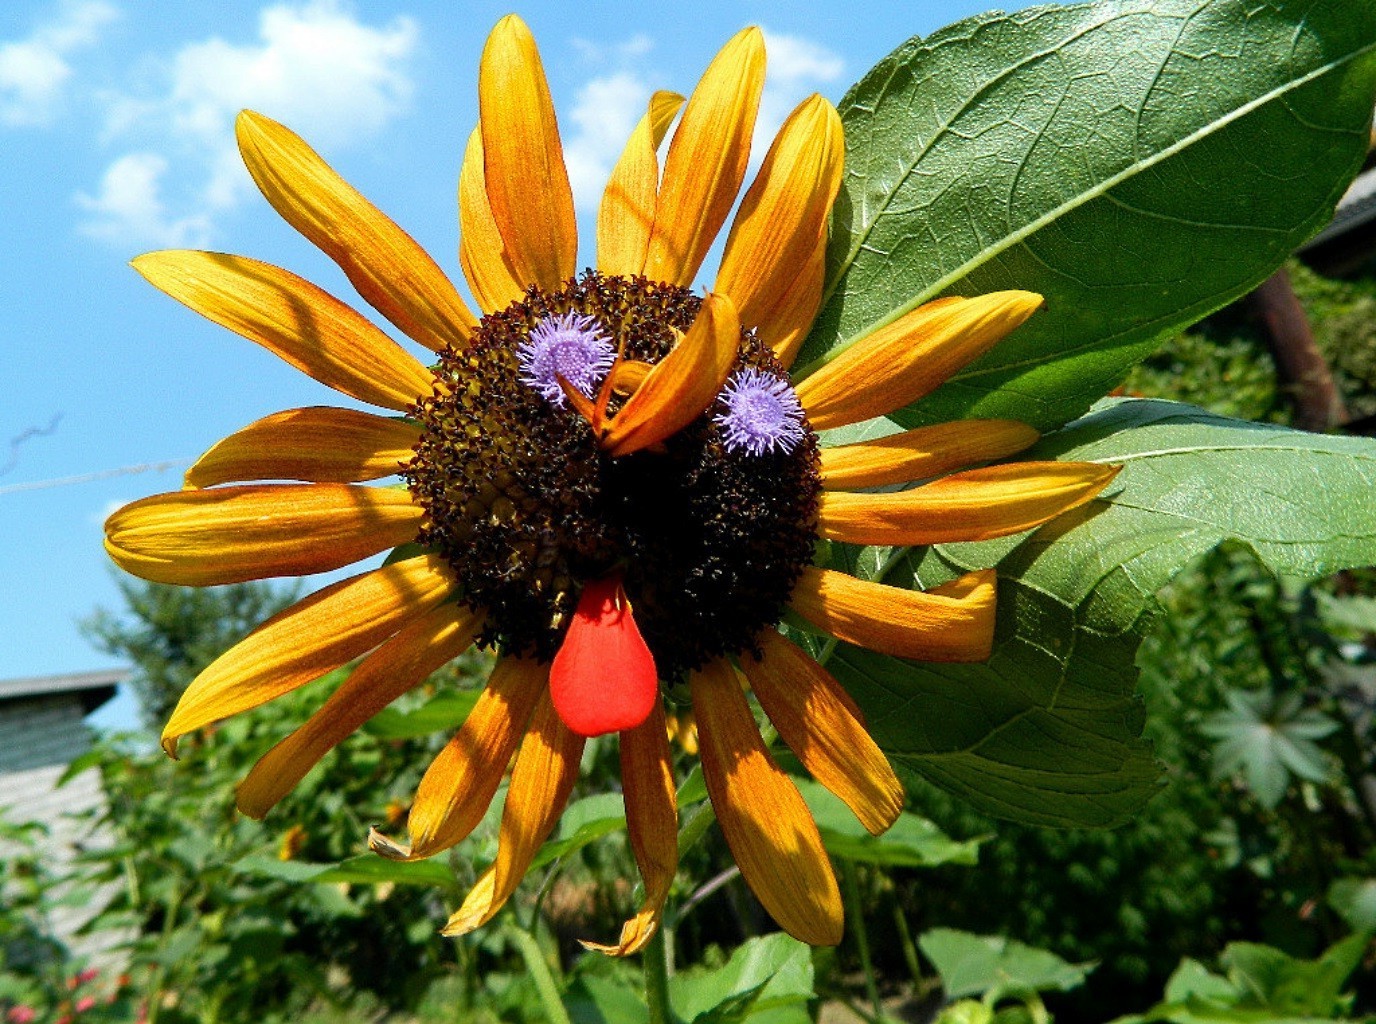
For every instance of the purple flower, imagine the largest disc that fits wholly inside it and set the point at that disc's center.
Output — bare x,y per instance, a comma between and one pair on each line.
762,413
572,346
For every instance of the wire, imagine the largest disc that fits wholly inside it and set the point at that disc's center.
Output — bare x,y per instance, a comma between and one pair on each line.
105,474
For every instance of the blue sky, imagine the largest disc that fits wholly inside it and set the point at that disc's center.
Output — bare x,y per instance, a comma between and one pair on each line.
116,138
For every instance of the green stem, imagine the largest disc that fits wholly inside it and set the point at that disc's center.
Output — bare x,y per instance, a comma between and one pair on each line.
905,938
655,961
538,967
851,896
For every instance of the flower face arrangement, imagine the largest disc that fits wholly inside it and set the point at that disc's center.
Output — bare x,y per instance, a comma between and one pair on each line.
614,482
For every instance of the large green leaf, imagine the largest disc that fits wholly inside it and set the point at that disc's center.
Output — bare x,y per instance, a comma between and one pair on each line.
1138,162
1048,730
995,966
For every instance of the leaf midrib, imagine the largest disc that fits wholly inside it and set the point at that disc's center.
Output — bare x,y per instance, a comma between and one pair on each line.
1074,202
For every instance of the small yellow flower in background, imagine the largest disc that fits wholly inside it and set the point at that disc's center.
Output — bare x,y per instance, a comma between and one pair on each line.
292,840
611,480
683,730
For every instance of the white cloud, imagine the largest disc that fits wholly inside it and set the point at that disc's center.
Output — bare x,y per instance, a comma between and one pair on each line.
603,116
34,70
129,210
315,67
798,67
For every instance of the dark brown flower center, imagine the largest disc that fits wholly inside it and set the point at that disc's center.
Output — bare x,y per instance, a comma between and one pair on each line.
525,507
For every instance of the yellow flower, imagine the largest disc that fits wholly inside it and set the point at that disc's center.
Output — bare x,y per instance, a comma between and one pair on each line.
611,480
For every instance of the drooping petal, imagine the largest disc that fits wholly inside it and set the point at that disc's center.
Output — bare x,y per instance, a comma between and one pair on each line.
766,823
683,385
899,363
456,789
546,769
781,226
647,778
975,505
814,717
603,678
952,622
707,160
293,319
319,444
482,253
403,662
627,213
233,534
387,266
527,183
314,636
922,453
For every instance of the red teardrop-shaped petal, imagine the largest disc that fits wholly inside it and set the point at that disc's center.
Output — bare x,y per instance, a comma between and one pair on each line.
603,679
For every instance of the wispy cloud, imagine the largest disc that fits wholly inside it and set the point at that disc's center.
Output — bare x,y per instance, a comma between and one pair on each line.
315,66
798,67
34,71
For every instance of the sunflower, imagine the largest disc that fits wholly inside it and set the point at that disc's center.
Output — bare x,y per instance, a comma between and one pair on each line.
612,481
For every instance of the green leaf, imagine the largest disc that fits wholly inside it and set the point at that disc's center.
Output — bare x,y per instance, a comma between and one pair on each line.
1139,163
911,841
993,966
583,822
1355,901
763,974
1275,981
444,712
1048,730
1267,738
366,868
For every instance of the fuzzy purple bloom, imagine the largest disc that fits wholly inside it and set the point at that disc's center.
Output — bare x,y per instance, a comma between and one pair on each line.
762,413
572,346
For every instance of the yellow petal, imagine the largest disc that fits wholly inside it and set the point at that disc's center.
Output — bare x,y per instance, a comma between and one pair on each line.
292,318
527,183
897,364
546,769
312,637
233,534
782,226
952,622
922,453
764,819
385,264
682,385
975,505
481,250
707,160
459,784
319,444
647,778
403,662
628,205
813,715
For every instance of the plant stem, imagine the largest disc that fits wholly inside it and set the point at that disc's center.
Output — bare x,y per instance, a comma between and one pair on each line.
655,961
851,897
538,967
905,938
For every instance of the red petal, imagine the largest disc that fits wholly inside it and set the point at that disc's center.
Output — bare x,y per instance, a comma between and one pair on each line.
603,679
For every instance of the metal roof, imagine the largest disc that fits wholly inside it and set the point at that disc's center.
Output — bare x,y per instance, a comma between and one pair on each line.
94,688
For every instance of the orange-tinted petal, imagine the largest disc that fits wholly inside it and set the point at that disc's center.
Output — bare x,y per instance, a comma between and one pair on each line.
319,444
764,819
627,213
403,662
482,253
952,622
546,769
312,637
459,784
603,678
683,384
897,364
922,453
527,183
782,226
707,160
292,318
813,715
975,505
647,778
385,264
233,534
